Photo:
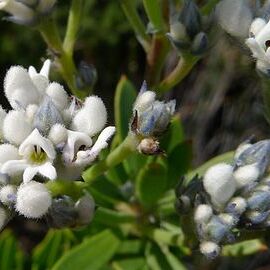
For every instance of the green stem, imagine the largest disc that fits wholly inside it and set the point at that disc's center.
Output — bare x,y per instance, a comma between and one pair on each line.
134,19
209,6
59,187
113,218
182,69
64,60
154,12
74,19
126,148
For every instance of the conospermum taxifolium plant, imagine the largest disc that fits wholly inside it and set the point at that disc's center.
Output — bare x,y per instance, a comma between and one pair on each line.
115,188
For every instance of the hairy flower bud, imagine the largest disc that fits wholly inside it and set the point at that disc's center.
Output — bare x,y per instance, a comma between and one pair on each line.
8,195
33,200
210,249
203,213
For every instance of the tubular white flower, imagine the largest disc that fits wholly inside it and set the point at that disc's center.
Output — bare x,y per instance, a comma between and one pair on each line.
8,194
33,200
58,95
58,134
219,183
144,100
3,217
8,152
203,213
88,156
19,88
75,140
209,249
91,118
246,175
20,12
16,127
38,155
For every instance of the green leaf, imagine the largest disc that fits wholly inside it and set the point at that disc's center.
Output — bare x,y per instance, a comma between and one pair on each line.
131,247
51,248
244,248
179,162
123,103
11,256
151,183
92,254
129,264
174,136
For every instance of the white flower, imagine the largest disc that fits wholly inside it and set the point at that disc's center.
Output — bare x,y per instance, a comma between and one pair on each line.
91,118
8,152
144,100
21,14
16,128
58,134
38,155
219,183
19,88
259,43
88,156
33,200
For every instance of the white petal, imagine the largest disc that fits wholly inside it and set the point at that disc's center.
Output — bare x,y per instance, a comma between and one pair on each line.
45,70
58,95
41,83
31,111
8,152
47,170
29,173
32,71
256,26
263,35
2,118
35,138
14,167
15,127
257,51
74,141
91,118
18,81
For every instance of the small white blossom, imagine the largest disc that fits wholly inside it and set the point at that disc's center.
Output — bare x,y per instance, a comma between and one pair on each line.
91,118
219,183
38,154
33,200
209,249
16,128
58,95
58,134
144,100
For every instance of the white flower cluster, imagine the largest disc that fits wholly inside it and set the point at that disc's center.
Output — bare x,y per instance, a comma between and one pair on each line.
236,17
26,11
46,136
237,196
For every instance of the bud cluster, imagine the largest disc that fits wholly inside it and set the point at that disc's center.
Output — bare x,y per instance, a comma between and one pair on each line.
187,29
26,12
150,119
46,136
234,197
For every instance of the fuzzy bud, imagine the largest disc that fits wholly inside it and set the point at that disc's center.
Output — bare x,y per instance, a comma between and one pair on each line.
149,146
246,175
58,95
237,205
16,128
33,200
91,118
58,134
31,111
8,152
203,213
219,183
209,249
8,194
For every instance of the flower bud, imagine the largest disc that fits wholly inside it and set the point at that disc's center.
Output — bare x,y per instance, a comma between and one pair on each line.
199,44
246,175
259,200
257,217
31,112
203,213
87,75
46,116
33,200
219,183
58,134
85,208
58,95
91,118
15,127
8,152
8,195
236,205
2,118
209,249
149,146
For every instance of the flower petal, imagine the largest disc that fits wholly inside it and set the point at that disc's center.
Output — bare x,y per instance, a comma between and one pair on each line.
29,173
47,170
13,167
